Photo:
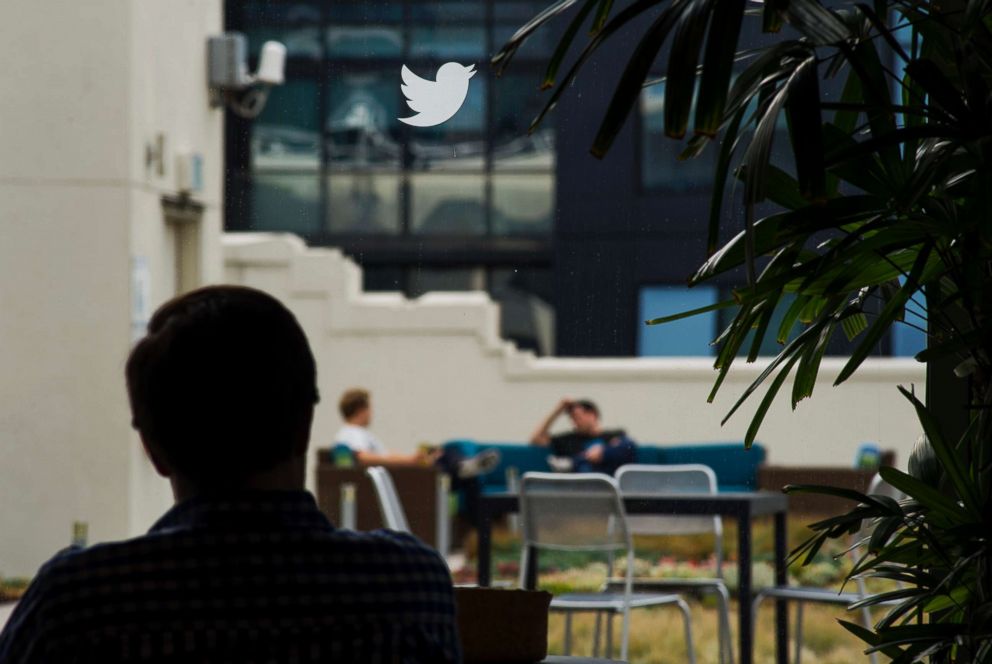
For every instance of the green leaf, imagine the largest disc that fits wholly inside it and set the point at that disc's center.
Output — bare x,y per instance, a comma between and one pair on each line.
628,14
564,44
802,109
506,53
956,598
720,181
854,325
602,13
718,65
693,312
927,496
682,58
816,22
953,465
759,414
870,637
885,318
941,90
632,80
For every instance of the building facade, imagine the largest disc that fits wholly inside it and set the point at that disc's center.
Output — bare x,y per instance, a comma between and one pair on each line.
579,252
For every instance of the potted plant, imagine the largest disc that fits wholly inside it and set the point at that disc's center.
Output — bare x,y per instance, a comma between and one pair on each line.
886,220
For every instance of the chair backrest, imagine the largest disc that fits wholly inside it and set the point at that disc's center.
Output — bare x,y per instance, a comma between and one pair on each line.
574,511
389,501
664,480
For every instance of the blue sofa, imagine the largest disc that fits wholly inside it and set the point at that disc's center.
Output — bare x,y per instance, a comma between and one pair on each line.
736,468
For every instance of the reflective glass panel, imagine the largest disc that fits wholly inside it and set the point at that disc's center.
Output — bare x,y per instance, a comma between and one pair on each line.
356,41
523,204
286,203
286,135
447,204
449,43
516,102
364,203
361,126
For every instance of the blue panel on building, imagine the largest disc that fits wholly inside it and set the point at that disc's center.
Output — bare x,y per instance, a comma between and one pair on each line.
686,337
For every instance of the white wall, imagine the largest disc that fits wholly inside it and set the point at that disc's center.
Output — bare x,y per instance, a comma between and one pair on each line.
87,85
437,370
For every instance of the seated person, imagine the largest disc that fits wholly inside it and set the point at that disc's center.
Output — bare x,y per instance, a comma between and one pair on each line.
588,447
245,567
355,407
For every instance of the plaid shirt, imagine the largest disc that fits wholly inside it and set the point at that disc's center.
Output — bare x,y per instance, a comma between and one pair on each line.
254,577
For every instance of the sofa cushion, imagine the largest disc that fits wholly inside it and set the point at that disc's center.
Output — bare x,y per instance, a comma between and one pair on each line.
736,468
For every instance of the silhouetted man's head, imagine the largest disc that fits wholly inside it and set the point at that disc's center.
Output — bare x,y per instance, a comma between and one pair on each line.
223,386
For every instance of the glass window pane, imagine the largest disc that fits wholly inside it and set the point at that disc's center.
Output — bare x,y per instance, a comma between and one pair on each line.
523,204
266,12
286,203
660,166
464,11
367,203
537,47
380,41
286,134
466,45
444,279
516,102
686,337
361,119
301,43
447,204
362,11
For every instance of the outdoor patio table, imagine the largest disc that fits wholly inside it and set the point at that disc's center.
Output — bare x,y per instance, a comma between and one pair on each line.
743,507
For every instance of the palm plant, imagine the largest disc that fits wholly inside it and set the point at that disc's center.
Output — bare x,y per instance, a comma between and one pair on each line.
888,215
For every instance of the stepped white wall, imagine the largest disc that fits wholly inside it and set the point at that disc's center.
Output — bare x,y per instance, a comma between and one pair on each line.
437,370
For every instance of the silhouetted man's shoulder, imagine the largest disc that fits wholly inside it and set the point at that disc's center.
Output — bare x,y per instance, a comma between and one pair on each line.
257,578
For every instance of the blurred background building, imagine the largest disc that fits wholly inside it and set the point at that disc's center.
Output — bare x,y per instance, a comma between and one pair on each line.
579,252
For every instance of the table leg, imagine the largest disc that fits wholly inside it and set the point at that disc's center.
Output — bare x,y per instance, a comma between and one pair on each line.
484,532
781,606
530,583
745,619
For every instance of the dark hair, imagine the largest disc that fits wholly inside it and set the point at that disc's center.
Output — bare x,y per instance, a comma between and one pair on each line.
224,382
352,402
585,404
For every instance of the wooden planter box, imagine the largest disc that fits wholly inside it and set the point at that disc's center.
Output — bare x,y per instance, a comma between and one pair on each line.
773,478
417,488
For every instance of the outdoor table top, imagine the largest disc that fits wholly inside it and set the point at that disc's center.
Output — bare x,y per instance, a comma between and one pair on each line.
757,503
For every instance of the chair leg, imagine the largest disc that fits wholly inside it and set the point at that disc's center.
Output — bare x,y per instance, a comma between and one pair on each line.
609,635
726,641
754,614
866,619
568,633
625,635
799,631
687,620
595,634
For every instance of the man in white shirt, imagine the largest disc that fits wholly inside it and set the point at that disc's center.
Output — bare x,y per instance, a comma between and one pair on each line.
356,409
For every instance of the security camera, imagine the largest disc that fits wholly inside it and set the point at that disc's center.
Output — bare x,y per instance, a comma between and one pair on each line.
229,80
272,64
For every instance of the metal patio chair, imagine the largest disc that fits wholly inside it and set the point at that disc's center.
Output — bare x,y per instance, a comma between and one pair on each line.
663,480
393,515
584,512
803,594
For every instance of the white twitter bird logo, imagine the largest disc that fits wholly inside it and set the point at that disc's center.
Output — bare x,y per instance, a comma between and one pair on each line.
435,101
